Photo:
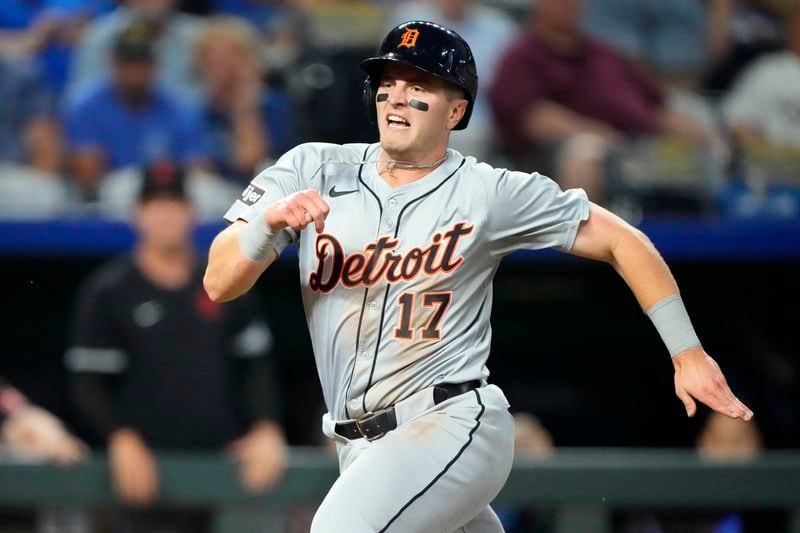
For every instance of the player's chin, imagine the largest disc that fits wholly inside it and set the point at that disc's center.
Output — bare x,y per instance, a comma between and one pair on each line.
396,140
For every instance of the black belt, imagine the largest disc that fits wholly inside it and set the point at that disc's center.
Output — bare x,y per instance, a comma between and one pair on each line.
374,425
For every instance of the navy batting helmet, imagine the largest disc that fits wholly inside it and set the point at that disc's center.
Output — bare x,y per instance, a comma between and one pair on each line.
431,48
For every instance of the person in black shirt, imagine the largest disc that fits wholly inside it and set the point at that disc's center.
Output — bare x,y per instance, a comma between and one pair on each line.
155,364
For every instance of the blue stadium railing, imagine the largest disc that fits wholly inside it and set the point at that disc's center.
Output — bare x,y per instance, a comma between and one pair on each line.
679,239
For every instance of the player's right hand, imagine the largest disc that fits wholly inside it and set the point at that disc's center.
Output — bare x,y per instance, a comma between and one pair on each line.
133,468
298,211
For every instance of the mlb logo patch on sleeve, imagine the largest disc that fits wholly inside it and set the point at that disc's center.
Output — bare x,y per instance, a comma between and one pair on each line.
251,194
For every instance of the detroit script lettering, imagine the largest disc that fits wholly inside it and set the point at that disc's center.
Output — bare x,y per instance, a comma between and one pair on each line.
379,260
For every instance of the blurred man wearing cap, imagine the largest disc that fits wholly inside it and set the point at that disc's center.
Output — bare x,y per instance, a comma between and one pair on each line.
157,365
174,35
127,120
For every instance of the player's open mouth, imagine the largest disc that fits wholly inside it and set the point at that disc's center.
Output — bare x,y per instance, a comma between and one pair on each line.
397,122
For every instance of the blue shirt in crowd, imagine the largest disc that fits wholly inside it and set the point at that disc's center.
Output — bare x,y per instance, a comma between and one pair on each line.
56,57
24,98
275,113
165,129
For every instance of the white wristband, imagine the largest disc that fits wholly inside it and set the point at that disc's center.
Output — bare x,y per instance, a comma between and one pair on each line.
257,239
670,318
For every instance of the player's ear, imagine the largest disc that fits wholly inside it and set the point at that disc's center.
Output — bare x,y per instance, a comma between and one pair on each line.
457,109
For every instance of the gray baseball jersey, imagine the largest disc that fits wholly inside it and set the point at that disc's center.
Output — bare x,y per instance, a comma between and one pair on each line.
398,288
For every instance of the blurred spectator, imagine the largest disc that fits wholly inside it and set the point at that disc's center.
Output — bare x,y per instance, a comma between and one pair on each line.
723,438
259,13
246,120
667,38
531,438
489,33
342,23
127,120
46,30
30,144
211,196
739,32
763,107
558,90
29,133
174,39
157,365
33,432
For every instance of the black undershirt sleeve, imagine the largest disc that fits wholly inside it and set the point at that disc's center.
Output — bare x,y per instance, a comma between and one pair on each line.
92,396
93,343
259,390
251,355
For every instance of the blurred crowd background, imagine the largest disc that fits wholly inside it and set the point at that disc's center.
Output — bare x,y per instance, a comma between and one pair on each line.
157,113
654,107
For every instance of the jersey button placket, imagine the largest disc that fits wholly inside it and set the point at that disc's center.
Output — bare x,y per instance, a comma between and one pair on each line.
389,214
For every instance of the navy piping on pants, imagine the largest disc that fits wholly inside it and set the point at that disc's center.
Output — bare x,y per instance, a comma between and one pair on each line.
446,468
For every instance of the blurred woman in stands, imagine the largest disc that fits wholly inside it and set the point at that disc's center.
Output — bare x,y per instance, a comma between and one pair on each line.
245,119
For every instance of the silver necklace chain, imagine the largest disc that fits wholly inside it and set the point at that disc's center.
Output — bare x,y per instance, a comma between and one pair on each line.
389,164
392,163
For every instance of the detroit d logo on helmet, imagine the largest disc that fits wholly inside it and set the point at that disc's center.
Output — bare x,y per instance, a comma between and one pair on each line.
409,38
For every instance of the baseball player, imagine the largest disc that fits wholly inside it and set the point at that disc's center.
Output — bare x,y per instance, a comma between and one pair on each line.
398,244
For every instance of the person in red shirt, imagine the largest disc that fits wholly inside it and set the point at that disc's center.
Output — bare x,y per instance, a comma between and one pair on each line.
556,87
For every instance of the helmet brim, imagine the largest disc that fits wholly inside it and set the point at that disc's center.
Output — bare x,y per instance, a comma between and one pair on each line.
374,66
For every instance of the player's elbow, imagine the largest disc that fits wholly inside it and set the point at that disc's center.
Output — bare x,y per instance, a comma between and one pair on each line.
226,281
216,288
219,278
212,287
640,238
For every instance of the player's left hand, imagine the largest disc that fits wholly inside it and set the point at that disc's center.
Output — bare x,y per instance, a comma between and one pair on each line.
698,376
262,453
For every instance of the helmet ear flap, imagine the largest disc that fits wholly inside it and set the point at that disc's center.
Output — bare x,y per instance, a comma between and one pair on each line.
368,97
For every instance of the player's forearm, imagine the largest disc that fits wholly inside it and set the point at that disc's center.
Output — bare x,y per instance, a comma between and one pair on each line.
641,266
638,262
229,273
606,237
